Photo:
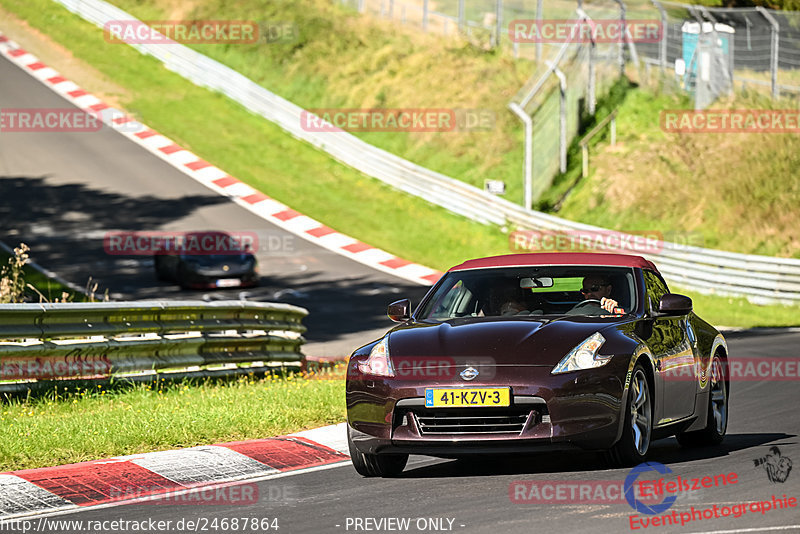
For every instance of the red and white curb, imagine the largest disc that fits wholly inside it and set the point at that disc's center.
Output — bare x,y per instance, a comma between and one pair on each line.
215,178
167,474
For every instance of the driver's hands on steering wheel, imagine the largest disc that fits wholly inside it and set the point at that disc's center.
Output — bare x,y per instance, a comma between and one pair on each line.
608,304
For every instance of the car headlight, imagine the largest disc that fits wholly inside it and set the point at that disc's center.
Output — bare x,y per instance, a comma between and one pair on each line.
584,356
378,362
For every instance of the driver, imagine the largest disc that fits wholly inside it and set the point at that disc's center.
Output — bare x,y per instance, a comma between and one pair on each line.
598,287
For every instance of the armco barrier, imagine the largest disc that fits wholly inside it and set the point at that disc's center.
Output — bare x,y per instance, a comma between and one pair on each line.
91,340
760,278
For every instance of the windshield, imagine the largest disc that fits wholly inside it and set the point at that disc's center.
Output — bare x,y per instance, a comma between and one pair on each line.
531,291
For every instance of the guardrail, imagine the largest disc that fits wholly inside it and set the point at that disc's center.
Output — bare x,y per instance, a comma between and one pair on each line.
760,278
103,339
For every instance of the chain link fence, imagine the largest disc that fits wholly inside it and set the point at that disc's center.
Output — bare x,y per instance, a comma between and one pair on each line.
761,46
710,51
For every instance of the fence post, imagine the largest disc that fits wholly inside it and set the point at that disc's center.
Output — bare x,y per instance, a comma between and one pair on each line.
592,81
391,9
425,15
773,48
360,6
498,22
664,36
562,117
539,8
614,129
461,15
527,176
623,30
584,161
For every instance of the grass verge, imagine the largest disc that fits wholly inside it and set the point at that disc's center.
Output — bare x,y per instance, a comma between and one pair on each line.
83,424
46,287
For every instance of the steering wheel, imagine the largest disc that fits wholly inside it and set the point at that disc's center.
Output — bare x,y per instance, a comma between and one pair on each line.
585,302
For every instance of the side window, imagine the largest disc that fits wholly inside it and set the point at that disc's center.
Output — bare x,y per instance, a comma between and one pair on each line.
452,303
656,288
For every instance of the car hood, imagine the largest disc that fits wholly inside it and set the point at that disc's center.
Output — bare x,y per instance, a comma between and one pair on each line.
497,341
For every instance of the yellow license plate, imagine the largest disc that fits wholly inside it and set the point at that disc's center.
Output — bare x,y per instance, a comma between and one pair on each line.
463,397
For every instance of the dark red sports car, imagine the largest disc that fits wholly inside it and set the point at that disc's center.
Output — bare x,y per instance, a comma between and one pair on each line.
530,352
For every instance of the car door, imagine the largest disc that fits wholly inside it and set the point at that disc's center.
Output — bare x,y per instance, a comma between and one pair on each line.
674,355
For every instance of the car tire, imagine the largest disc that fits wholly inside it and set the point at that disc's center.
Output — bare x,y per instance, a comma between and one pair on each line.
161,271
632,447
717,418
375,465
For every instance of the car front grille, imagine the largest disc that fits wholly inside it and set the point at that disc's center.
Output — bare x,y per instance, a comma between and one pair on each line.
472,421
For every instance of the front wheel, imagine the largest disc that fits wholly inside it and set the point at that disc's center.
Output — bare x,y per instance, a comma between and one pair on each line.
375,465
632,447
717,418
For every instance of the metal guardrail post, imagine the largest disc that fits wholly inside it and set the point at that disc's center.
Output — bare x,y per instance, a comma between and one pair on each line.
662,52
425,15
527,175
462,16
391,9
775,29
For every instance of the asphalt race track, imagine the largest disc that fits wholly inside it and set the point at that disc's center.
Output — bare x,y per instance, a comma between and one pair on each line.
472,496
61,192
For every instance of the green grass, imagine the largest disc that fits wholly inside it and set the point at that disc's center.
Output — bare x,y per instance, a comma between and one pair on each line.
739,312
49,288
737,192
66,427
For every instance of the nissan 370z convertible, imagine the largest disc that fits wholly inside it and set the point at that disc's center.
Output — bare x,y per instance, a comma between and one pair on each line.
533,352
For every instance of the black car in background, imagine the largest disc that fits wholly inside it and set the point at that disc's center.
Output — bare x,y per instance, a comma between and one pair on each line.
208,267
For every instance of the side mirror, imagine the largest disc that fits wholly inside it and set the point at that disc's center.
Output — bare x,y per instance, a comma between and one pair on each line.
674,304
399,311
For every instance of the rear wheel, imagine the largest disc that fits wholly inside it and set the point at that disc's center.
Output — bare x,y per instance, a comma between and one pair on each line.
717,419
161,269
375,465
632,447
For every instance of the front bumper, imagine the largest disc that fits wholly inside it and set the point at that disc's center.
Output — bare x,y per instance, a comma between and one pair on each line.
208,279
579,409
